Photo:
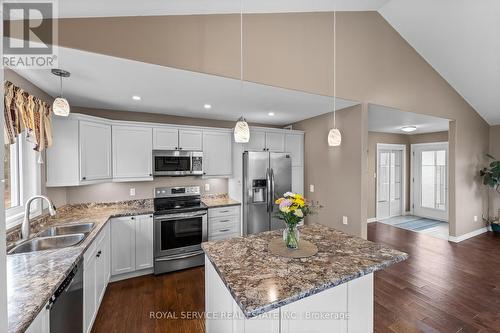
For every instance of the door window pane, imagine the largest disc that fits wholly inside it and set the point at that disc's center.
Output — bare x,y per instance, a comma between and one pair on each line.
433,174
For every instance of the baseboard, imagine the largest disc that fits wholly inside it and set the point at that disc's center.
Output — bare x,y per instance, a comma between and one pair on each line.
407,213
468,235
131,275
373,219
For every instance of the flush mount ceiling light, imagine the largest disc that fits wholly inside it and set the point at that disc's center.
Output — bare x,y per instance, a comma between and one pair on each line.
241,130
136,98
409,129
334,136
271,114
60,107
207,106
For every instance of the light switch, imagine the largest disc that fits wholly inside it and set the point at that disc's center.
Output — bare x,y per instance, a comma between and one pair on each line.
132,192
344,220
475,218
207,187
311,188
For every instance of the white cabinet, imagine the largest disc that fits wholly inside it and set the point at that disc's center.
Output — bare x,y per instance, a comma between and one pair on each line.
122,245
224,222
275,142
41,324
257,141
190,140
131,244
294,144
217,153
165,138
95,151
95,276
132,153
144,242
298,180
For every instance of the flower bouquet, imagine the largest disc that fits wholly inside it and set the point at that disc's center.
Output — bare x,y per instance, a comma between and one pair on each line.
292,210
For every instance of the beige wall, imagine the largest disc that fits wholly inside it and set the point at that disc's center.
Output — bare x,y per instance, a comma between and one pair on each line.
336,172
495,152
390,138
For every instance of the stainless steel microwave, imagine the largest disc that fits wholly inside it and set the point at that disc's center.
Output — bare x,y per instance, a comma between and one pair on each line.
177,163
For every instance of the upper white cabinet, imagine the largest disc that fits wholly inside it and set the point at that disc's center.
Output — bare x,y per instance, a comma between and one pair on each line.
165,138
294,144
81,153
217,153
190,140
132,153
266,141
275,142
95,151
257,141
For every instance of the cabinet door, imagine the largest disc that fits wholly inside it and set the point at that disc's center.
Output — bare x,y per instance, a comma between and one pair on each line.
165,138
132,153
217,153
190,140
89,290
102,265
294,144
257,141
95,151
298,180
122,245
144,242
275,142
41,324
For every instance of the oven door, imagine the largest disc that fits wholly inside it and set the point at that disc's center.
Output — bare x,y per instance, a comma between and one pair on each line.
172,163
179,233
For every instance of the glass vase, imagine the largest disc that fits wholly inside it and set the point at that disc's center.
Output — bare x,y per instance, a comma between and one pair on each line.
291,237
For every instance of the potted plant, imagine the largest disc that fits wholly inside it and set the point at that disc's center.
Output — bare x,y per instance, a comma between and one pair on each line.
292,210
491,178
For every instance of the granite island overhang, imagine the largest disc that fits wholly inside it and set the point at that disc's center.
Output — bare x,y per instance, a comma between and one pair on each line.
249,289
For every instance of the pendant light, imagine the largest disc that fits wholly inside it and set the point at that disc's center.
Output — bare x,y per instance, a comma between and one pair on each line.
241,130
60,107
334,136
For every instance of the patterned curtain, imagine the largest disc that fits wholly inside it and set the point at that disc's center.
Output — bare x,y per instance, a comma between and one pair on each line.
23,111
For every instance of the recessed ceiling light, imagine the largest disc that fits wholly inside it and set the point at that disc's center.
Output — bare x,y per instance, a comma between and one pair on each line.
136,98
271,114
207,106
409,129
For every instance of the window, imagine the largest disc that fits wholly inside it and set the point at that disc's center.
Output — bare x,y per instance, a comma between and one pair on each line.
22,179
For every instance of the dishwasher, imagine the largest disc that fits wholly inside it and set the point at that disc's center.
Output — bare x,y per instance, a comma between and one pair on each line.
66,305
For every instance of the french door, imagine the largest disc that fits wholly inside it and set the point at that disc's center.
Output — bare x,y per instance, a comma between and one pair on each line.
430,180
390,180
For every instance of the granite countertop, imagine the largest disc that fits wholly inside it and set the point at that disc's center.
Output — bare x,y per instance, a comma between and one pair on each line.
251,273
33,277
214,201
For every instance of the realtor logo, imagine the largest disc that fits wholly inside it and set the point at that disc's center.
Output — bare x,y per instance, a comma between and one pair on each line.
30,32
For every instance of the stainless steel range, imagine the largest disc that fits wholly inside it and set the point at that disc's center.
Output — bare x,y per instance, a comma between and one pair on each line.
180,226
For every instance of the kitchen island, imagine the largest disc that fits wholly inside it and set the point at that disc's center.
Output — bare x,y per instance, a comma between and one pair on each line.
248,289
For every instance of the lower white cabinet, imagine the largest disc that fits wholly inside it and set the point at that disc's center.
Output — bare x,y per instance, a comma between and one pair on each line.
131,244
95,276
41,324
224,222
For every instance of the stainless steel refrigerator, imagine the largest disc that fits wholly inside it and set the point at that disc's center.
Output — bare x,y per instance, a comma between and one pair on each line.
266,176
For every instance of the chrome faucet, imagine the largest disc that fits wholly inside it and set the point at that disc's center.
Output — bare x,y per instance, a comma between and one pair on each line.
25,228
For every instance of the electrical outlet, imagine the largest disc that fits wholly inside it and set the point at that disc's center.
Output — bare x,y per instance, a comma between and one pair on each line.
475,218
207,187
311,188
345,220
132,192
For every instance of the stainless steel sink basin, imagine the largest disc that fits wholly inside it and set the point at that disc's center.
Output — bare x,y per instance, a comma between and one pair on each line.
48,243
67,229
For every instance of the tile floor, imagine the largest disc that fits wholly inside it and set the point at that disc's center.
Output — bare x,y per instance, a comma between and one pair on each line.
434,228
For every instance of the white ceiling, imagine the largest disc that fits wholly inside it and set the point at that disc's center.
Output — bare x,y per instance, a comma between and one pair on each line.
100,8
461,40
105,82
388,120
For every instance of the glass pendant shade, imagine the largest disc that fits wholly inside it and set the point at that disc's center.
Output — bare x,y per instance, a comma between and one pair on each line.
241,131
334,137
60,107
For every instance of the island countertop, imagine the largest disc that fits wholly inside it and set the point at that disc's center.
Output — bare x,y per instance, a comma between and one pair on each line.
260,281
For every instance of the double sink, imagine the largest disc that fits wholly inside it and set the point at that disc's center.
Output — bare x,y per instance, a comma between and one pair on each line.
55,237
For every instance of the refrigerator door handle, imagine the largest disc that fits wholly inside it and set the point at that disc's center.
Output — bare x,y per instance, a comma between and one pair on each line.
268,189
271,198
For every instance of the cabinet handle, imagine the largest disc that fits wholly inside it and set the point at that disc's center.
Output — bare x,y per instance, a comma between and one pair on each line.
176,148
83,178
132,218
150,175
224,211
264,149
224,230
98,254
225,221
180,148
150,215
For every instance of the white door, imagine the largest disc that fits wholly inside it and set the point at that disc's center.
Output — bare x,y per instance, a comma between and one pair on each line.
132,152
217,153
390,175
122,245
190,140
430,180
275,142
165,138
95,151
144,242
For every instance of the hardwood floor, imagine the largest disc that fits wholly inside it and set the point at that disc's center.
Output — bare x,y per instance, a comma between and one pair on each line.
443,287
